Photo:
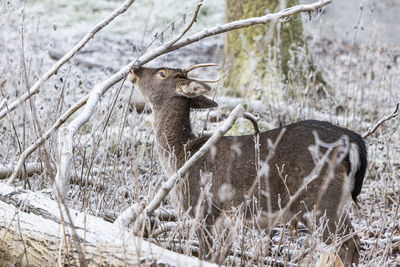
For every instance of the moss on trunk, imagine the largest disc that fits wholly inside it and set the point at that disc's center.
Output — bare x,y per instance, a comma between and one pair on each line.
261,57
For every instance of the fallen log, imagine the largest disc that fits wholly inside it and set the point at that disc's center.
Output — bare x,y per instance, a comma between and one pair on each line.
30,169
34,233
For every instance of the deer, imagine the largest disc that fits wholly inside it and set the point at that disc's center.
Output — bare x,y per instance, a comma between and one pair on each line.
171,94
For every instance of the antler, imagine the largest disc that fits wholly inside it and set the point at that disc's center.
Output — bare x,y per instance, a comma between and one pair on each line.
206,81
199,66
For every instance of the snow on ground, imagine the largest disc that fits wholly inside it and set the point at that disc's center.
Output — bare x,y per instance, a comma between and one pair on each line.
119,161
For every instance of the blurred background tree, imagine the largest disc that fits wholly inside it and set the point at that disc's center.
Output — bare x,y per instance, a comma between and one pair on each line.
261,59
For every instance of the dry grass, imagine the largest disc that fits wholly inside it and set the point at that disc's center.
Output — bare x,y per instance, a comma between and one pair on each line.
115,164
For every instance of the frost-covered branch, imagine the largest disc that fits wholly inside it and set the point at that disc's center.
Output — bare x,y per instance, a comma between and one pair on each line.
126,216
381,121
234,25
187,28
65,136
2,103
60,121
54,69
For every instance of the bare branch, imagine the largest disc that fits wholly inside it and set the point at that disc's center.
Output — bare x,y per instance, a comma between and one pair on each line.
187,28
65,136
44,137
253,121
54,69
3,102
234,25
381,121
165,227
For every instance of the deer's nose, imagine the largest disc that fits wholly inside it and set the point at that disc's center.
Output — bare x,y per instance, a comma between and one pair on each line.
132,78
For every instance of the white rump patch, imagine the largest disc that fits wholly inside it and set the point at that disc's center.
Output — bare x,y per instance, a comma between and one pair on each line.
354,157
348,183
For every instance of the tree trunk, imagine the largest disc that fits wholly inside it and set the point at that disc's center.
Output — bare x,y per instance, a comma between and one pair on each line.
264,58
33,233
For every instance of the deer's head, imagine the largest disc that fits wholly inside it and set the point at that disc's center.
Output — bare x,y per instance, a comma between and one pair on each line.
160,84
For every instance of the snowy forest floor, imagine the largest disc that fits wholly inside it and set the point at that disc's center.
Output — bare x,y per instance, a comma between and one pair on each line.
114,164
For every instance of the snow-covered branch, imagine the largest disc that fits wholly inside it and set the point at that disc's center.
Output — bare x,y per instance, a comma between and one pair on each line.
381,121
54,69
60,121
66,135
234,25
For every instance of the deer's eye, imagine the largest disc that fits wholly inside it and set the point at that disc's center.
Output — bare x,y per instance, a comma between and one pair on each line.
161,73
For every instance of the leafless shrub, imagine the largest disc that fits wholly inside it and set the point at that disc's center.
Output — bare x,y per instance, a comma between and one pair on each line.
114,165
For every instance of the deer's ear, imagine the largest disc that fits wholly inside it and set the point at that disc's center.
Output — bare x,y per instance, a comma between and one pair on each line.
193,89
202,102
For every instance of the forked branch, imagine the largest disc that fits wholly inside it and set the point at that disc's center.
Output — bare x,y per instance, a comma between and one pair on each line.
60,121
54,69
234,25
381,121
66,136
187,28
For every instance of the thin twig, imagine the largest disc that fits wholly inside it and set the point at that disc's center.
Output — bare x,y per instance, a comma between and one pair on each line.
187,28
22,239
82,259
66,135
234,25
14,129
36,124
54,69
381,121
253,121
3,102
60,121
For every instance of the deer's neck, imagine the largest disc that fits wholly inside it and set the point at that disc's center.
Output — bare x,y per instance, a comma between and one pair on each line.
171,124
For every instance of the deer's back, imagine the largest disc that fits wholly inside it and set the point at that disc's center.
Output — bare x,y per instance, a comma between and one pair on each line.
232,166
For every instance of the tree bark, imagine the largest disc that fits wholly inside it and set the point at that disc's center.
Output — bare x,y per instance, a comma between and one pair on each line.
264,56
32,233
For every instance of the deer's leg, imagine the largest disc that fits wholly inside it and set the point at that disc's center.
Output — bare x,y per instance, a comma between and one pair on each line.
224,238
215,241
349,250
350,242
205,242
